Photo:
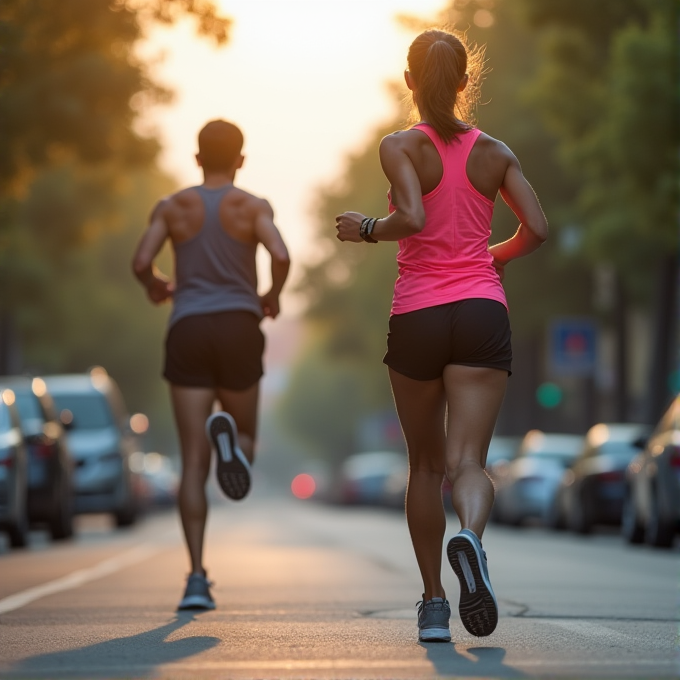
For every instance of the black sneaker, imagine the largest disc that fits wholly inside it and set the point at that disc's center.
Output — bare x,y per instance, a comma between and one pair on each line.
197,594
233,468
433,620
478,607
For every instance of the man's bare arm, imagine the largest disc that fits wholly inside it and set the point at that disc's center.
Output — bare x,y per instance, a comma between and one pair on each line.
269,236
158,287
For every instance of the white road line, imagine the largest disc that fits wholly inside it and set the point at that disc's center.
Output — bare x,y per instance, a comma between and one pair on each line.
78,578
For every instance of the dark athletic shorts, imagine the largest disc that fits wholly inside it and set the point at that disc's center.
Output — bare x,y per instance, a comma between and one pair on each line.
223,349
473,332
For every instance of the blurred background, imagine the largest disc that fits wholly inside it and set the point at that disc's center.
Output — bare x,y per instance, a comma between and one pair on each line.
100,105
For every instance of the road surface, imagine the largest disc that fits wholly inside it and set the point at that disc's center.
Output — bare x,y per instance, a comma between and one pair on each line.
306,590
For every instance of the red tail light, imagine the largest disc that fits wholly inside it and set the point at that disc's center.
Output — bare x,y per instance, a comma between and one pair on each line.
7,462
674,459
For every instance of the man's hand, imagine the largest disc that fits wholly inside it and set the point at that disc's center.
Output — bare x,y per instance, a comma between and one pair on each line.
159,289
270,304
348,225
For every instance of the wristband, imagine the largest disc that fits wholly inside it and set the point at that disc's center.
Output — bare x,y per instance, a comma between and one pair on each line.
366,229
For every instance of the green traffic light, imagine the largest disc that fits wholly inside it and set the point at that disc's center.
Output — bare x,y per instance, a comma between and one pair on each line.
549,395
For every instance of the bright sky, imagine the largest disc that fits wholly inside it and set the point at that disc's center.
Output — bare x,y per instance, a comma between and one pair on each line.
304,79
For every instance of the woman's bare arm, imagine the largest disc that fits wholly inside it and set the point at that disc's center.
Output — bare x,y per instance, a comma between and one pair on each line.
533,228
409,216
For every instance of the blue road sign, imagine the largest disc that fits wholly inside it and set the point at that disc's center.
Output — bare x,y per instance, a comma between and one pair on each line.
573,347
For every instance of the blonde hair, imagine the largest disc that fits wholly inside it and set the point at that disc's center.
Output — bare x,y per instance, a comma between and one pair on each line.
438,61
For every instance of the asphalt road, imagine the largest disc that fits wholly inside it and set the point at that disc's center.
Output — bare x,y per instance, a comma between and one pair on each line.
306,590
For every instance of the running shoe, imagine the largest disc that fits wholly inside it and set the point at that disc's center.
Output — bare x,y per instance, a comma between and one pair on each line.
433,620
477,607
233,468
197,593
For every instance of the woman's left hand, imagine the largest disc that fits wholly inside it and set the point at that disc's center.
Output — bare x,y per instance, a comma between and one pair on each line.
348,225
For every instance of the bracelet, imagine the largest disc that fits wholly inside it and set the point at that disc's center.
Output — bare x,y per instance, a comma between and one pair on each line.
366,229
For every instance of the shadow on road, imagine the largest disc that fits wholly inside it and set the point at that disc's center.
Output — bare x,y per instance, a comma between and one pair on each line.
137,654
489,664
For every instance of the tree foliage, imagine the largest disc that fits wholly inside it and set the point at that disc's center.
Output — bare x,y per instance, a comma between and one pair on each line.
607,88
70,81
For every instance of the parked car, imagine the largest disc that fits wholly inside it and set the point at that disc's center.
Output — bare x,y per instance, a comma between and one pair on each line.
592,492
527,484
13,473
502,449
651,509
50,465
102,442
161,481
364,477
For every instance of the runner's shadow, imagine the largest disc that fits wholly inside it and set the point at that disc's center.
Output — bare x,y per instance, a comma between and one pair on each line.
136,655
448,662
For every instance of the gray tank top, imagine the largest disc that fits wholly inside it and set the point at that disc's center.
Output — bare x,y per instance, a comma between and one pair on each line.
213,271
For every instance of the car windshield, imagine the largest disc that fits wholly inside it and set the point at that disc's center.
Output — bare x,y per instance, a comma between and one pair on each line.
619,448
28,406
563,457
90,411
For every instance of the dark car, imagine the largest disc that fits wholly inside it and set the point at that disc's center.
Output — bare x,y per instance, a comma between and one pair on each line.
13,472
102,443
592,491
50,466
652,505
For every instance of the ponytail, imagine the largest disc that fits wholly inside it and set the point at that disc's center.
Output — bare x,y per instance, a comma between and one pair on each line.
438,62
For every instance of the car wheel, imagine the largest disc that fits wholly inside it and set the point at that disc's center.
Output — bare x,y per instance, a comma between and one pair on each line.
631,527
61,521
659,532
579,518
18,531
554,518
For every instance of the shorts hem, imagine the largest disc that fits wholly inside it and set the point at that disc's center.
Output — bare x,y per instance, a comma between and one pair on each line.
214,385
420,378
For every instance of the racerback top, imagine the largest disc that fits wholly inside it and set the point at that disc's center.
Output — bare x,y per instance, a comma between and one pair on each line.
449,259
213,271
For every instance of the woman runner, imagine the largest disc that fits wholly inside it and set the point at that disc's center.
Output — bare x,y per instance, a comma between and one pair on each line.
448,347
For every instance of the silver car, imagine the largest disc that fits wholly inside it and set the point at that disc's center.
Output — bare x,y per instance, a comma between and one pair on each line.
102,443
525,486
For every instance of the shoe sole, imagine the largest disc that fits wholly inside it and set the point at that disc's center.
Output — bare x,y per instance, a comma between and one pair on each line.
434,635
195,602
233,469
477,607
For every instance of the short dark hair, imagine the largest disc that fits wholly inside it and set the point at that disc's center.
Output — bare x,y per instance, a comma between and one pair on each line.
219,144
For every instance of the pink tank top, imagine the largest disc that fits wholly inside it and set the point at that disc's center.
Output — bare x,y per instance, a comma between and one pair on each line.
449,259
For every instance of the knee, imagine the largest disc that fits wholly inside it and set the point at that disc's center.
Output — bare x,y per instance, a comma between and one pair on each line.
427,466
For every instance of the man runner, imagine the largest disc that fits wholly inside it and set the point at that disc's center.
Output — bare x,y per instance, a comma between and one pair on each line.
214,345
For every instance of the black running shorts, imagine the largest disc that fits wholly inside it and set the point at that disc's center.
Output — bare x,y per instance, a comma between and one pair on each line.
223,349
473,332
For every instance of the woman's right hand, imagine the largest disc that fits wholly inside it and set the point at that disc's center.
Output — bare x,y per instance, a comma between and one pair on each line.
348,225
